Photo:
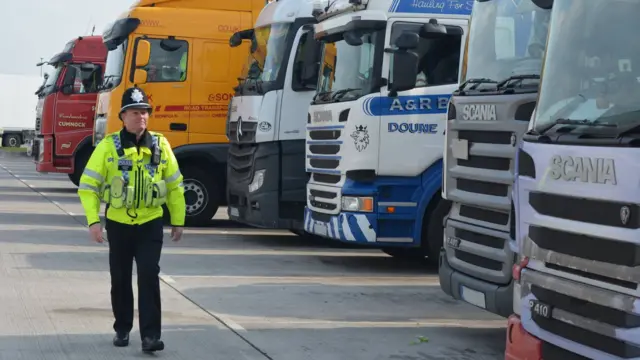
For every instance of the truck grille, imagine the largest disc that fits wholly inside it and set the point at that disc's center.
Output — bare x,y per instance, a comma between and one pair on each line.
38,125
605,317
248,132
592,323
323,162
480,189
240,161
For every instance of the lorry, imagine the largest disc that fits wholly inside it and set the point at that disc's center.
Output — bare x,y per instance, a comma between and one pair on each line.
178,52
578,201
266,177
488,114
66,105
17,108
375,133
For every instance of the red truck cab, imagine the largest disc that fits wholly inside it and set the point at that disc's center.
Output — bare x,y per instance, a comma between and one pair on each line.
66,107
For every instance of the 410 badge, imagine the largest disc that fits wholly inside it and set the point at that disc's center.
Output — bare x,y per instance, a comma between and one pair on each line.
541,309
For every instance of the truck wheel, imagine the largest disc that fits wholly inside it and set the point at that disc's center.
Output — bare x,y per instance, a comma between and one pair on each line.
81,160
201,196
11,140
433,231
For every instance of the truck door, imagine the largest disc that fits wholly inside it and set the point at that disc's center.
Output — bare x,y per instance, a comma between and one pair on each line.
214,76
414,121
75,106
168,87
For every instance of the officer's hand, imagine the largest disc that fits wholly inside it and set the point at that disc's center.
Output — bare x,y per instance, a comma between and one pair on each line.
176,233
96,232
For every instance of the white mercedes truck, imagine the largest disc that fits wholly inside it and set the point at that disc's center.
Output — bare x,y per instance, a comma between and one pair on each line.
578,195
487,116
266,178
376,131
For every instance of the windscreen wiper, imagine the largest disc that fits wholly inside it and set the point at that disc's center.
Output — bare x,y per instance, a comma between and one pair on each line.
342,92
583,122
518,79
476,82
322,94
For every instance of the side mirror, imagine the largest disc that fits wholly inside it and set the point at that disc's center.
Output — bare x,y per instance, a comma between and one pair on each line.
170,45
68,80
352,38
407,40
403,73
237,37
66,89
545,4
310,62
143,53
432,30
140,77
235,40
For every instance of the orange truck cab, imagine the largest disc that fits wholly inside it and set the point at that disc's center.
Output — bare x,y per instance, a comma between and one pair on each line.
178,52
65,108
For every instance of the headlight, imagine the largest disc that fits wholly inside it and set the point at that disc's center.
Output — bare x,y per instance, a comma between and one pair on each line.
258,180
353,203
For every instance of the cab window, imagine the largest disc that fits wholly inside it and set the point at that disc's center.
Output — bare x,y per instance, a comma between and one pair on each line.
168,60
86,78
439,59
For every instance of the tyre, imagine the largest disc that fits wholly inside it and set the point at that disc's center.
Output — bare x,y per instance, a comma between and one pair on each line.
433,230
81,160
11,140
202,195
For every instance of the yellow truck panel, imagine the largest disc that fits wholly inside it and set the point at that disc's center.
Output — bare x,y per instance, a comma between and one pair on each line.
189,79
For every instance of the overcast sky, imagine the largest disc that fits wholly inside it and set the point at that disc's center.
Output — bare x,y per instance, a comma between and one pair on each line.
32,29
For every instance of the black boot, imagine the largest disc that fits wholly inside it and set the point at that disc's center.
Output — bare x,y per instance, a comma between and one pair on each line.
150,345
121,339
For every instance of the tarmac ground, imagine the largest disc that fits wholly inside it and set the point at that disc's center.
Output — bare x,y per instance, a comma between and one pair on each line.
228,292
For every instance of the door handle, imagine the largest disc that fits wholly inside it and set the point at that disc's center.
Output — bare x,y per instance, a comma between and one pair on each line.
178,126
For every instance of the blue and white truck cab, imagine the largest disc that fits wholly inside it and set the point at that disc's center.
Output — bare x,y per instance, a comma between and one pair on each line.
375,130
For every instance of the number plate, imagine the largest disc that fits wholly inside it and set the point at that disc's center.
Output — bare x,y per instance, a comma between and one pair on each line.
320,229
453,242
234,211
473,297
540,308
460,149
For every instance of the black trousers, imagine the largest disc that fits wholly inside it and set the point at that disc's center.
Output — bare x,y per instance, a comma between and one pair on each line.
144,244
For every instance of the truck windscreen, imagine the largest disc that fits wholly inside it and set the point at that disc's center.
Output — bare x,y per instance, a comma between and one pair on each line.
506,39
592,70
49,85
268,51
347,71
114,66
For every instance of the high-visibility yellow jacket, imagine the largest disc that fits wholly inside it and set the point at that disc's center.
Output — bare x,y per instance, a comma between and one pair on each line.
103,166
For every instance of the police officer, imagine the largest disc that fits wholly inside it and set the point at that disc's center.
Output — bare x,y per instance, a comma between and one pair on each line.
135,172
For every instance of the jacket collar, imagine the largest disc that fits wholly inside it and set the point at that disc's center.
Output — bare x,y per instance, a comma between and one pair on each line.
129,140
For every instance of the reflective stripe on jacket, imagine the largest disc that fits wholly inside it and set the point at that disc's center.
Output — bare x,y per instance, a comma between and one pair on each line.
103,166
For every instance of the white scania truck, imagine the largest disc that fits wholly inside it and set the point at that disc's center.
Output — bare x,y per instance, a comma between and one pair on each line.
376,131
488,115
266,178
578,193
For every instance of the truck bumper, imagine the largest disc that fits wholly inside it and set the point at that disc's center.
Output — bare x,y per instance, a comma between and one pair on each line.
347,227
278,203
41,151
491,297
521,345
